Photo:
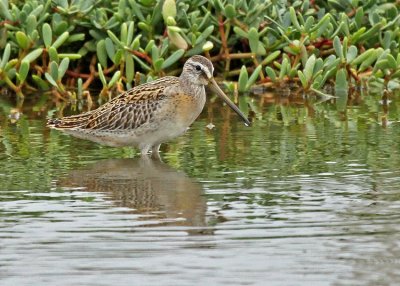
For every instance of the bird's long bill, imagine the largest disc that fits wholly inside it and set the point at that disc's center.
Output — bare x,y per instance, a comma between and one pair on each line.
225,98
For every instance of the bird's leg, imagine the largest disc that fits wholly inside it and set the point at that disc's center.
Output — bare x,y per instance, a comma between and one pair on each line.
144,150
155,148
155,152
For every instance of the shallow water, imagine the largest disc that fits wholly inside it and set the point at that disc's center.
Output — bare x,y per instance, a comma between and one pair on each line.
307,195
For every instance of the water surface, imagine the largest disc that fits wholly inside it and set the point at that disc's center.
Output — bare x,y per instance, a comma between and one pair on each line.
309,195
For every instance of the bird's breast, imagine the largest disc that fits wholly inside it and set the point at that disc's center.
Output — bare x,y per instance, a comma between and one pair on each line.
182,106
188,108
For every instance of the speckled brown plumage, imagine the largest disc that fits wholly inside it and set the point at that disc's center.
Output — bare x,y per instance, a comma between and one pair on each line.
148,114
129,110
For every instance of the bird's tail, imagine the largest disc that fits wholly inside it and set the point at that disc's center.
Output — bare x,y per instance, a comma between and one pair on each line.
69,122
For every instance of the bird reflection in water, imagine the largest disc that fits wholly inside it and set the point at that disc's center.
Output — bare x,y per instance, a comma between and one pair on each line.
148,187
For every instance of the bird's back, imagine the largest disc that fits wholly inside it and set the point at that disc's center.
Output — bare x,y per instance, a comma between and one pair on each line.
129,110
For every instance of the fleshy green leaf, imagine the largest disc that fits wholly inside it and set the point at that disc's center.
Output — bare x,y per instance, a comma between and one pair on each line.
284,68
76,37
243,79
141,63
54,70
253,39
158,64
6,56
341,80
43,85
110,48
253,77
271,57
50,79
169,9
101,75
230,11
60,40
101,52
53,55
391,61
155,53
341,89
321,23
381,64
240,32
5,11
114,79
271,73
70,56
23,71
367,63
114,38
208,46
365,55
351,54
80,88
173,58
303,79
338,47
47,35
63,68
136,42
22,39
124,33
293,18
177,40
31,24
149,46
33,55
118,57
309,68
130,33
129,68
203,36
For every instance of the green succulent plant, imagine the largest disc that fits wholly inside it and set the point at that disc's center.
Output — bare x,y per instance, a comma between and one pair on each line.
65,45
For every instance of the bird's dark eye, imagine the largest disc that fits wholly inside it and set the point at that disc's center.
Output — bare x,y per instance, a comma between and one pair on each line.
198,68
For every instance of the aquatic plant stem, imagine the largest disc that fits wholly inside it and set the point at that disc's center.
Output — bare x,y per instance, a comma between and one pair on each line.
224,44
92,72
15,88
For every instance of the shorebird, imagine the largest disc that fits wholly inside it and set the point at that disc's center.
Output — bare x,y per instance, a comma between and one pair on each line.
148,114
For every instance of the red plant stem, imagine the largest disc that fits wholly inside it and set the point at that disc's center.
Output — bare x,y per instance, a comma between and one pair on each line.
77,74
223,37
225,49
353,74
256,63
143,56
15,23
86,75
92,73
323,42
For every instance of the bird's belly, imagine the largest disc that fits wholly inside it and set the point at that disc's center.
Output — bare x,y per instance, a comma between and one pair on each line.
175,119
164,132
149,134
167,129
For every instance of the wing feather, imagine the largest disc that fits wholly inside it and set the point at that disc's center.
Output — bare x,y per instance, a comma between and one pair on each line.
127,111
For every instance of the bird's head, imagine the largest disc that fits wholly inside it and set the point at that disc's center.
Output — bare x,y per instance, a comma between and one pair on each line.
199,70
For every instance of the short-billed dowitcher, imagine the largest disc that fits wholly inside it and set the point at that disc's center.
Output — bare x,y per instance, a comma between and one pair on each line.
149,114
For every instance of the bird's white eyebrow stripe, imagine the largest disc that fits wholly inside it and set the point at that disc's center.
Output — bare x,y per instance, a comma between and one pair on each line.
203,68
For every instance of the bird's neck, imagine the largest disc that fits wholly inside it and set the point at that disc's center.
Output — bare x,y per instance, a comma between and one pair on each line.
190,87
